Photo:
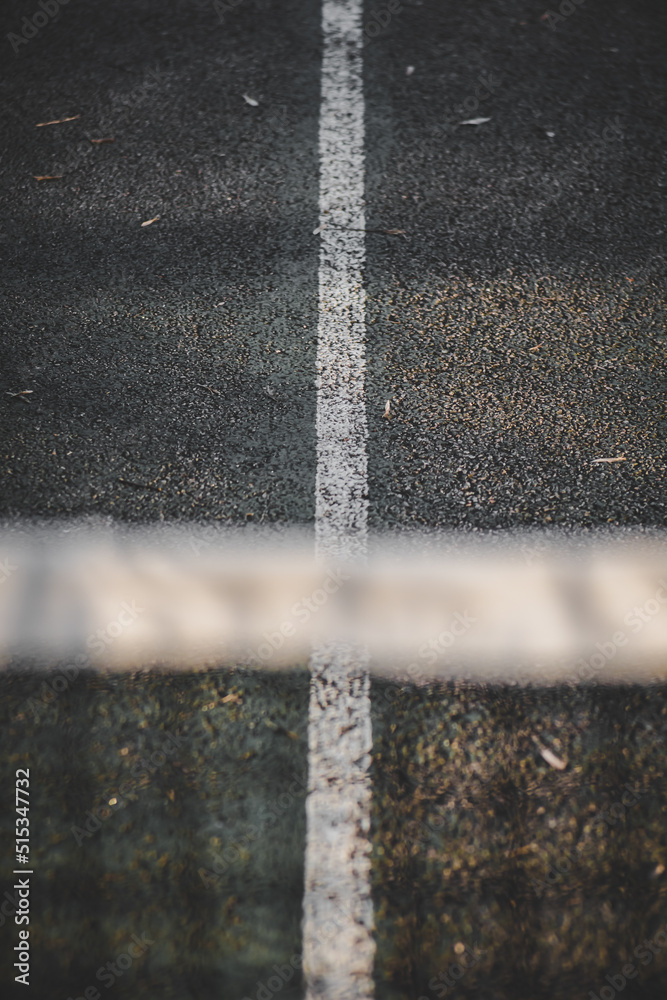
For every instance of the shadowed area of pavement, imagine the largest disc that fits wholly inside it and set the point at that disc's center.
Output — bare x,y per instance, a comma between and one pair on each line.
201,851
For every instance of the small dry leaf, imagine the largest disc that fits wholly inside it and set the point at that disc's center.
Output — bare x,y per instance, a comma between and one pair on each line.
251,101
475,121
234,698
57,121
149,221
387,409
552,759
47,177
98,142
549,756
620,458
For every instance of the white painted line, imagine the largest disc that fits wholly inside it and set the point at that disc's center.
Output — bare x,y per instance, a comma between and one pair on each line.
338,945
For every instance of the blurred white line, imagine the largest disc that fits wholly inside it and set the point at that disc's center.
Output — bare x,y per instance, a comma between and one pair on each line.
338,945
496,607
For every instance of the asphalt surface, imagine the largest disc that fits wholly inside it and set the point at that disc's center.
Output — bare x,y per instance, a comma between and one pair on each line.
516,326
122,325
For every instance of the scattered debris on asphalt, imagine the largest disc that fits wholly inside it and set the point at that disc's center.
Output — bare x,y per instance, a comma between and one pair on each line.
549,756
22,394
387,409
57,121
233,698
98,142
251,101
270,724
620,458
148,222
48,177
409,70
475,121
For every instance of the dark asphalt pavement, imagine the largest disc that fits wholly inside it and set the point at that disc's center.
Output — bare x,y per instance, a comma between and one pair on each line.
516,324
117,328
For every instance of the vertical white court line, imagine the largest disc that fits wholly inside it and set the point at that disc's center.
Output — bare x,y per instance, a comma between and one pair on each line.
338,945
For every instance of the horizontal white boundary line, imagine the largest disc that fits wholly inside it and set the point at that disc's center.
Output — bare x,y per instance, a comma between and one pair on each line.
128,600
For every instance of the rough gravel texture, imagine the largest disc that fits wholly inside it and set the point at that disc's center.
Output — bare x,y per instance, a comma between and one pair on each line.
204,850
480,842
517,328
